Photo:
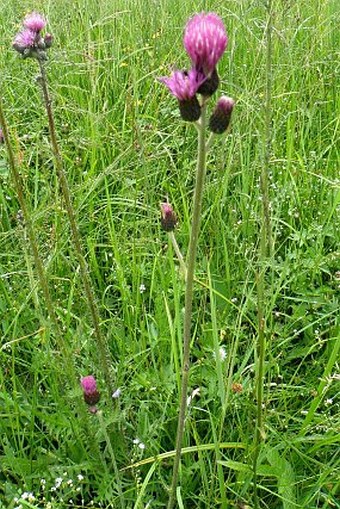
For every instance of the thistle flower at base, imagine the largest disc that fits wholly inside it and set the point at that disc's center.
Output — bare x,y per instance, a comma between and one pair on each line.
25,41
168,217
221,116
184,85
90,391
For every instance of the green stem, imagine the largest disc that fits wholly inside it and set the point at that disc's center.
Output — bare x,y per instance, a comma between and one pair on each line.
102,347
178,254
191,258
39,266
19,188
113,458
265,253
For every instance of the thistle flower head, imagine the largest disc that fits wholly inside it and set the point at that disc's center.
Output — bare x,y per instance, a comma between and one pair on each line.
205,40
91,393
35,22
168,217
24,40
29,42
183,84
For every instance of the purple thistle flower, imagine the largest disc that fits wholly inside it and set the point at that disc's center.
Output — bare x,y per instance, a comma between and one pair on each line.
184,84
91,393
35,22
205,40
24,40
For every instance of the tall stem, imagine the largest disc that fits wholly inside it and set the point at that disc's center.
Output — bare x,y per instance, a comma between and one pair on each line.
191,258
74,230
264,254
19,188
39,266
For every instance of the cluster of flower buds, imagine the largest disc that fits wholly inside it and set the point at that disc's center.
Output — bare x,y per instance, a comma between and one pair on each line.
205,40
29,42
90,391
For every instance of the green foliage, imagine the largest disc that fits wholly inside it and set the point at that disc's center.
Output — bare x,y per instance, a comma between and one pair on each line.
125,150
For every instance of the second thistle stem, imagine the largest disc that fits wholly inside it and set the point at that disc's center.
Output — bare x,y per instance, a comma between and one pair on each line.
266,249
74,229
191,259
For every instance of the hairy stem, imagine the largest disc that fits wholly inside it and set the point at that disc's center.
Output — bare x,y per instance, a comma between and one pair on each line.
191,258
39,266
19,188
264,254
91,301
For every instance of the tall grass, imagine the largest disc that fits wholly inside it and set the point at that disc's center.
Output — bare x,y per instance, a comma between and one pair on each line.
124,151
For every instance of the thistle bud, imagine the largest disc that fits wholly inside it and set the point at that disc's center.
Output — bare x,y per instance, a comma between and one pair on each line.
210,85
168,217
190,109
220,118
91,393
48,40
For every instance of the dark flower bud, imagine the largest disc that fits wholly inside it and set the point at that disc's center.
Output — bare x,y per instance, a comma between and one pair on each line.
48,39
190,109
210,85
220,118
91,393
168,217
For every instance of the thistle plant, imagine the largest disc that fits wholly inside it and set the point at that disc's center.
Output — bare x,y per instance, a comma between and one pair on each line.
205,41
30,42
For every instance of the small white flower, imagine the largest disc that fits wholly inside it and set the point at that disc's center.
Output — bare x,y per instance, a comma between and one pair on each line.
116,394
80,477
222,353
142,288
70,482
194,393
136,441
141,446
58,482
329,401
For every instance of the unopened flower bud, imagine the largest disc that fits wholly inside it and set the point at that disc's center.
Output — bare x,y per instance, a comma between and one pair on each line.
210,85
168,217
48,39
220,118
190,109
91,393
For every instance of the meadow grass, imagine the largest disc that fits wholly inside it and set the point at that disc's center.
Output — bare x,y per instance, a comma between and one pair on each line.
125,150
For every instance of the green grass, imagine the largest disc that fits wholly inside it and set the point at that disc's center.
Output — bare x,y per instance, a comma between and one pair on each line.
124,150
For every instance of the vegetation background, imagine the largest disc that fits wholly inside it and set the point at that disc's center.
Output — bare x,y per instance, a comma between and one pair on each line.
125,150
